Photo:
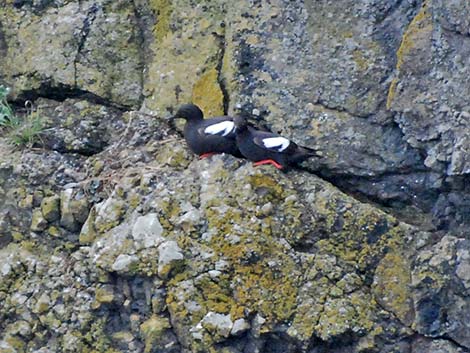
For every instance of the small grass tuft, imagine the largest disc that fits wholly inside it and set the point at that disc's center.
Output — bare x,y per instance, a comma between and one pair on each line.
21,131
6,113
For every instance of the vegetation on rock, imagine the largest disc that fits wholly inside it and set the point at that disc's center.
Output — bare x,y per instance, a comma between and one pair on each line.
22,130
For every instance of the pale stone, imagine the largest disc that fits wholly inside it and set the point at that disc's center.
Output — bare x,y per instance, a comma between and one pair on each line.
147,231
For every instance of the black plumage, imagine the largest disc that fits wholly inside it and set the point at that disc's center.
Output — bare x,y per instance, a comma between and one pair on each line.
264,147
208,136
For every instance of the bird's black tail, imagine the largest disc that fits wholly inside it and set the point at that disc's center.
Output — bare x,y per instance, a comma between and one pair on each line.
305,153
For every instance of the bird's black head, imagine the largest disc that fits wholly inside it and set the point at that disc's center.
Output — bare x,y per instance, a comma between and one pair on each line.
189,112
240,123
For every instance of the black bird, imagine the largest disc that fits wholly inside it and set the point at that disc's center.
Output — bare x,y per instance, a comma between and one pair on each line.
206,137
264,147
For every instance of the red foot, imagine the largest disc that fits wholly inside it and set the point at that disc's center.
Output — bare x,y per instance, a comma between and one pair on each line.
205,155
268,161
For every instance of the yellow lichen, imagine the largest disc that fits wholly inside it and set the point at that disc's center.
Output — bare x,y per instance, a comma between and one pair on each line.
391,285
268,182
207,93
104,294
152,330
419,28
360,60
163,10
391,92
257,285
357,237
218,294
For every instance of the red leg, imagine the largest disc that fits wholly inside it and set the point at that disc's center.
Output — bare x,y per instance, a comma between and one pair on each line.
268,161
205,155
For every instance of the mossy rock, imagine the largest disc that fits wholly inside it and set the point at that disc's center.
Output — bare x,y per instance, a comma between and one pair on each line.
50,207
152,331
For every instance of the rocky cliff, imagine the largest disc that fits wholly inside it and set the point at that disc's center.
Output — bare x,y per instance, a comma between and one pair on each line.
115,238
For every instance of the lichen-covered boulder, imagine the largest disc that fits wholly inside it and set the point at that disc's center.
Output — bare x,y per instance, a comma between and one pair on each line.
440,283
68,46
114,237
364,89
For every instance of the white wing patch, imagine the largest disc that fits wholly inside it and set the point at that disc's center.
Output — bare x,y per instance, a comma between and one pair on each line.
280,143
224,128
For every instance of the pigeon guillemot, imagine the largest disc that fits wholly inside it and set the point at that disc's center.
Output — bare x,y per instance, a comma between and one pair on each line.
264,147
206,137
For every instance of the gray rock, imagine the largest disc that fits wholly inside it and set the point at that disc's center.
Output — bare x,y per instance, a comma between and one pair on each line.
43,304
463,266
377,89
190,220
218,324
50,207
74,209
147,231
257,325
170,257
123,262
85,37
38,222
267,208
424,345
109,213
239,327
440,293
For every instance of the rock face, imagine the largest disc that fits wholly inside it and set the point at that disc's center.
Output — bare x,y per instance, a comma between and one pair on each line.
114,238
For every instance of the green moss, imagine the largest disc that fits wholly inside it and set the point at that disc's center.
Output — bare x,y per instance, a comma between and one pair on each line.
271,293
74,209
98,166
19,193
432,278
257,283
177,296
124,336
357,237
190,31
38,223
50,320
50,208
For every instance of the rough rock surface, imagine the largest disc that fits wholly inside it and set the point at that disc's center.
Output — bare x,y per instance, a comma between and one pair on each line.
115,238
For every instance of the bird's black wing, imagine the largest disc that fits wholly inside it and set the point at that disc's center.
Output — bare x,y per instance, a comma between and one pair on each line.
222,126
273,142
